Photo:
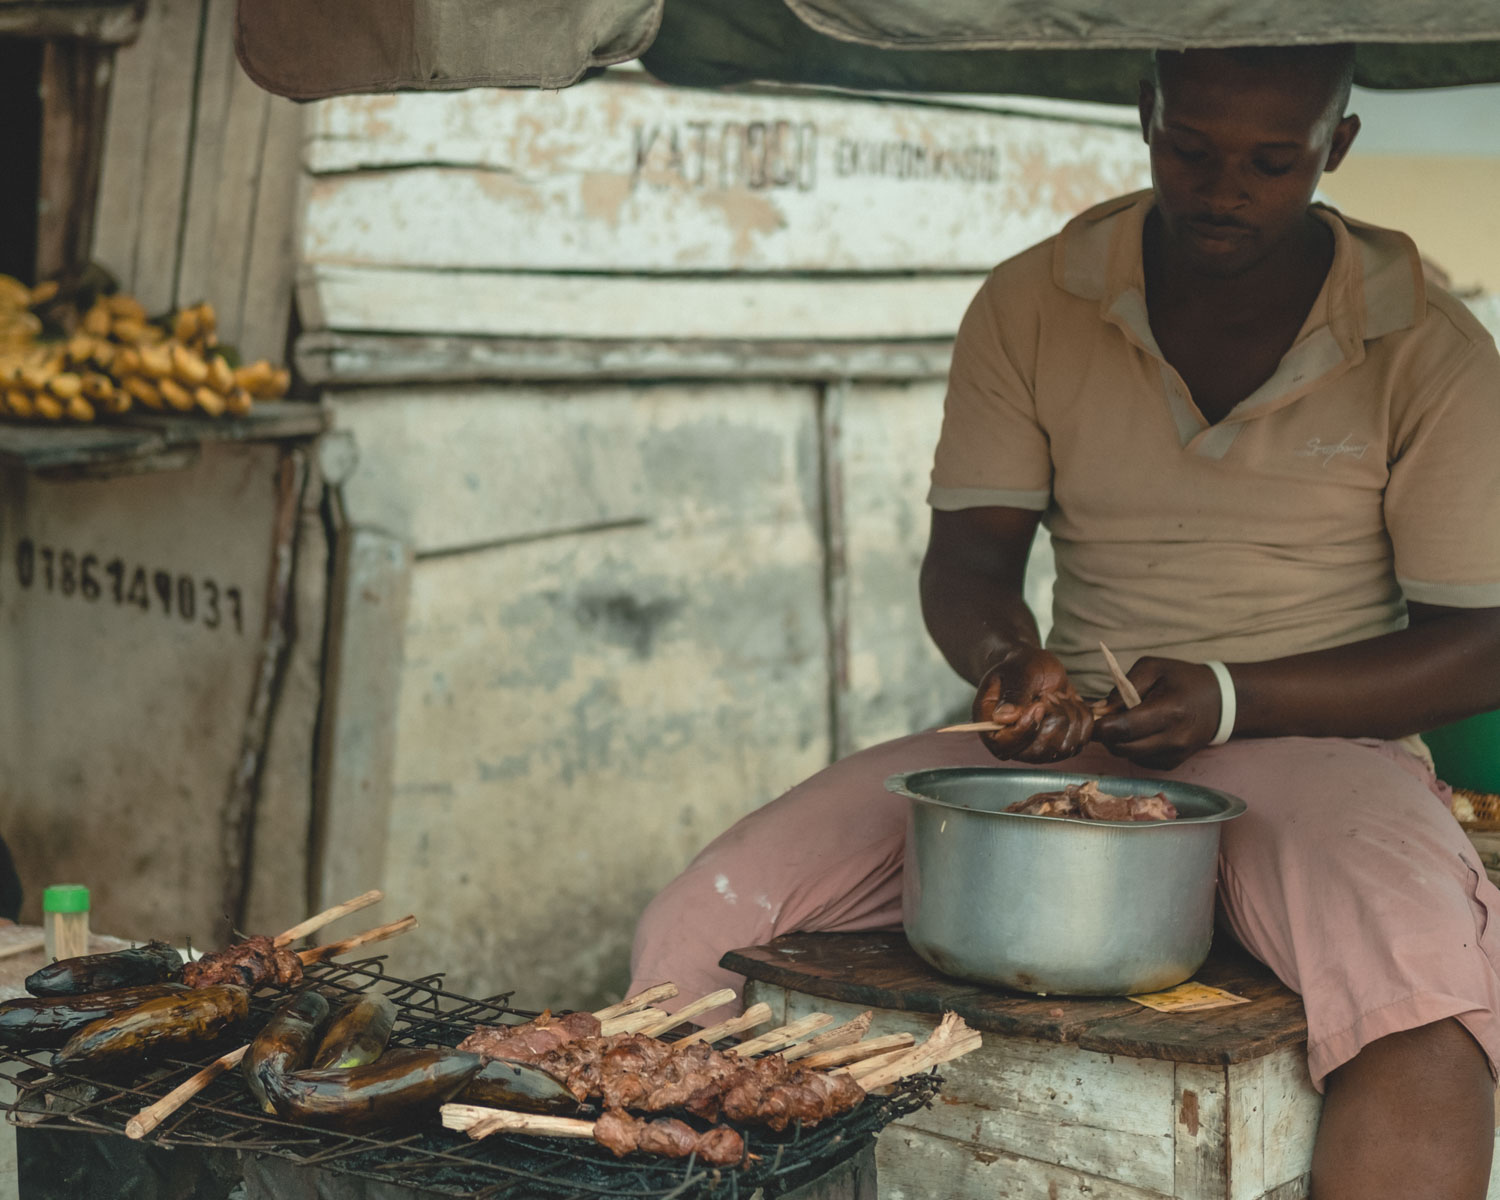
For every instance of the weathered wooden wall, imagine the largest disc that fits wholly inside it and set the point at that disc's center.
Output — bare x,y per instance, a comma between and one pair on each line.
158,746
644,386
161,747
198,193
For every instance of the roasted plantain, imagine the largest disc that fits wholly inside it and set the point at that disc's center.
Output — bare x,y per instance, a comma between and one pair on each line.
285,1043
155,962
518,1086
403,1087
357,1034
32,1022
155,1027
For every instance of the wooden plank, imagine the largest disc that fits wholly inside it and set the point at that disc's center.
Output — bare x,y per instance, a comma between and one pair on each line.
241,808
345,359
1246,1115
271,264
835,561
914,1165
38,448
1202,1135
1098,1114
101,24
1291,1108
223,166
75,94
152,272
270,420
455,469
357,742
122,176
1274,1020
603,692
880,969
448,303
137,668
625,175
233,207
280,868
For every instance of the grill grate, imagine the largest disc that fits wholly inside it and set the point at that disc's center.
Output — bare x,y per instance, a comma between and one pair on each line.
224,1116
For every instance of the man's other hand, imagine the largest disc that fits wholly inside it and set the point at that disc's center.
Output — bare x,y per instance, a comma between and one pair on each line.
1178,714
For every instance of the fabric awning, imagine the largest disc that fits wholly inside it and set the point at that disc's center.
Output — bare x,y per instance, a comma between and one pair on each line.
1067,49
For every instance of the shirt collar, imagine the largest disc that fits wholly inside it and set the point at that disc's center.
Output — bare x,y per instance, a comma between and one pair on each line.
1374,287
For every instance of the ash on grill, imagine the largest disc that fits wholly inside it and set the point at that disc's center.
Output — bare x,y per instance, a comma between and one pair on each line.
225,1116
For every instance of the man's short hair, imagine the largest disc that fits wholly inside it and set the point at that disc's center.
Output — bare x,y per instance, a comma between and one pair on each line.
1332,61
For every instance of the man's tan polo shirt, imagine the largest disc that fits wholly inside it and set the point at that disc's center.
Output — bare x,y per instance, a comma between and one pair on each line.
1363,473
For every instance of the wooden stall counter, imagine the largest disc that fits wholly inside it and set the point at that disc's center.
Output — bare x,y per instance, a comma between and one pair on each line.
21,953
1071,1098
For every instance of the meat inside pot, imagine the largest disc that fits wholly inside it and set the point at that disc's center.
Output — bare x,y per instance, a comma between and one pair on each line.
1086,801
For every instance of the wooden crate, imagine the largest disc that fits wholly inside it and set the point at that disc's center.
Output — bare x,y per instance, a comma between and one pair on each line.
1072,1098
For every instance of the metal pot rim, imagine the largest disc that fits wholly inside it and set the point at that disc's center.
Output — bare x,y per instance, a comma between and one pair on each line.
905,783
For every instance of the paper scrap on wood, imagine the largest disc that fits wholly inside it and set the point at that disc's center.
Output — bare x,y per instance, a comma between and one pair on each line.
1189,997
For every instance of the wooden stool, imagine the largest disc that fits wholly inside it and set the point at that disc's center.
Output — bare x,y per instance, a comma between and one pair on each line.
1071,1098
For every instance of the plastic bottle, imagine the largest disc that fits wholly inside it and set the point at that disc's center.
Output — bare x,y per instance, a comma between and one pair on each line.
65,920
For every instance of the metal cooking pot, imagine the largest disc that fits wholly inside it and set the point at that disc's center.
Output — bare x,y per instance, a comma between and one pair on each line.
1054,904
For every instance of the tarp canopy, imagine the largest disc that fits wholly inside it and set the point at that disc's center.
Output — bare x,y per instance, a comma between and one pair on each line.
1067,49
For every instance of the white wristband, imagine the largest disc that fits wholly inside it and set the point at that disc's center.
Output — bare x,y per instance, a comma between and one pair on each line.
1227,705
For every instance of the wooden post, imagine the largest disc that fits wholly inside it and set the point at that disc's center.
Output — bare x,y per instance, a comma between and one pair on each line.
75,98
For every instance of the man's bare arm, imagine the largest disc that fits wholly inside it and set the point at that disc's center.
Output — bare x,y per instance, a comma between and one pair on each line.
972,582
973,601
1445,666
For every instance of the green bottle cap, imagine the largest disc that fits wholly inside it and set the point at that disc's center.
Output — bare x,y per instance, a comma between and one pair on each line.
65,898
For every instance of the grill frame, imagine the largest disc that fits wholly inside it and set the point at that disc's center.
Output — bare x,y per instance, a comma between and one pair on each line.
432,1160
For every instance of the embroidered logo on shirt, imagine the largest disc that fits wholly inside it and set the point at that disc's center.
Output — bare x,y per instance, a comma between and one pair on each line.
1328,451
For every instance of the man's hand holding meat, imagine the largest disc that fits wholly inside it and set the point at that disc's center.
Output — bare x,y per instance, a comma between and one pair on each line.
1028,691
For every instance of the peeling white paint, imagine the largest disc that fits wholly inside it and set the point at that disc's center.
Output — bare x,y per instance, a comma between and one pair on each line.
721,885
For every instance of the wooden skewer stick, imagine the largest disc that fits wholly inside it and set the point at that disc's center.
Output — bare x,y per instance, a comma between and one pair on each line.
153,1115
973,727
1122,685
634,1022
859,1051
701,1005
479,1122
951,1039
840,1035
662,991
872,1061
327,917
756,1014
381,933
785,1035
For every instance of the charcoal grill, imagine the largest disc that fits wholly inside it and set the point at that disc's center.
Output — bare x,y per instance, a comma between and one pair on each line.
233,1148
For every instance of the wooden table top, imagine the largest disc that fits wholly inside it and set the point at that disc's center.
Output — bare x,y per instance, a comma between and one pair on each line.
880,970
14,967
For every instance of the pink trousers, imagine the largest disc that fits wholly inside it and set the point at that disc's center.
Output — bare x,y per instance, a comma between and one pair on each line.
1348,877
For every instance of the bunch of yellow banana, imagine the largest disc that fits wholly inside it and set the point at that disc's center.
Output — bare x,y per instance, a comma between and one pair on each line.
34,381
118,358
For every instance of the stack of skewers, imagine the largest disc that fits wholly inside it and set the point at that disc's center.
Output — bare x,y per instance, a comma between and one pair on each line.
610,1076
